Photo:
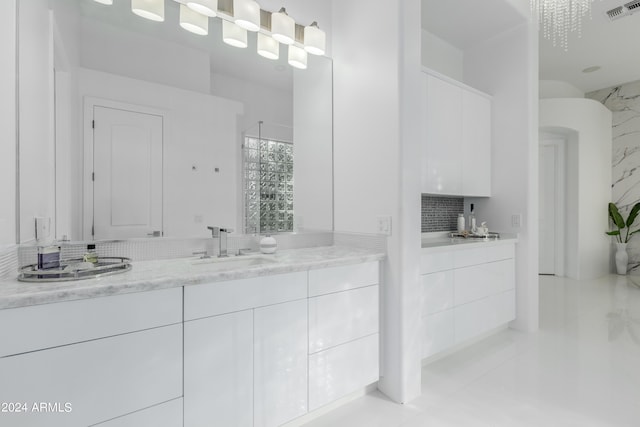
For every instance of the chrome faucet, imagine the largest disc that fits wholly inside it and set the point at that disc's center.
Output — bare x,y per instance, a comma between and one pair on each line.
221,235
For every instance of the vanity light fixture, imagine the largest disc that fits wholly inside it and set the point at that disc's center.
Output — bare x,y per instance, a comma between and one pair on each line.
297,57
204,7
193,21
283,27
149,9
315,40
268,47
240,16
233,35
246,14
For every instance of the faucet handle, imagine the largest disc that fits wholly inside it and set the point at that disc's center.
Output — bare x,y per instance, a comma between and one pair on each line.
215,231
226,230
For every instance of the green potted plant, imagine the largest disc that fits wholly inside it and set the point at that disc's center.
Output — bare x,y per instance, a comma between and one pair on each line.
623,234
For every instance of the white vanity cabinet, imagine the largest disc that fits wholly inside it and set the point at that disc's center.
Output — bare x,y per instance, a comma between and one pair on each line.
81,363
246,351
267,350
456,155
343,331
465,293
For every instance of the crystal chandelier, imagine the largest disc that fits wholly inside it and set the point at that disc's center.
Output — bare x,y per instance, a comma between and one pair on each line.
560,17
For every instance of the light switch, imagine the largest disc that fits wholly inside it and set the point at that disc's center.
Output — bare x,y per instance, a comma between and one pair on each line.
516,220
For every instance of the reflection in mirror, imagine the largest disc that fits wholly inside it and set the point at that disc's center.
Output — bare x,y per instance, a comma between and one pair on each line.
150,121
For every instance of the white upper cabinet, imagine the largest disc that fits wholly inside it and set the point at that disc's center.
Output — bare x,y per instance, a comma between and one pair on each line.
456,155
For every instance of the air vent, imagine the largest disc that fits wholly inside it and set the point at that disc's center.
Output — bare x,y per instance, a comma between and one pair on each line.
632,5
624,10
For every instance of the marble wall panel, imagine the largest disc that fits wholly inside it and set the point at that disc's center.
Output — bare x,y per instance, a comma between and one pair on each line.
624,102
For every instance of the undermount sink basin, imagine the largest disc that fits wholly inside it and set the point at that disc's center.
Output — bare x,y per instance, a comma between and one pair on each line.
235,262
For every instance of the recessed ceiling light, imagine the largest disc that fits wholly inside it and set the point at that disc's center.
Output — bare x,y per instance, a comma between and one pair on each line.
591,69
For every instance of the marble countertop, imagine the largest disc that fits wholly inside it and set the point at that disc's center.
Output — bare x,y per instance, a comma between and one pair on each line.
162,274
438,242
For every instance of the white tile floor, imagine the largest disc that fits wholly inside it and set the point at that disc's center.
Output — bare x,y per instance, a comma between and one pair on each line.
581,369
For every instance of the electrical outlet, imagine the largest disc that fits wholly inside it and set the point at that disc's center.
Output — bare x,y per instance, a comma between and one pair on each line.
384,225
516,220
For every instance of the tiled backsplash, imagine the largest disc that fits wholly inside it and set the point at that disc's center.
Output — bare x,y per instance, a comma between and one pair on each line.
440,213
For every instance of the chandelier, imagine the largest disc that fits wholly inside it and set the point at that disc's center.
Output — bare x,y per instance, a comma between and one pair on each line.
558,18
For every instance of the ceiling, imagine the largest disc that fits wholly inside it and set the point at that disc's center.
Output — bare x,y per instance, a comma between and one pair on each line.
463,23
611,45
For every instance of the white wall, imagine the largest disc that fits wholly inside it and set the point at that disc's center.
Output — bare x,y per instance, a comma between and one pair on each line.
200,131
115,50
66,39
558,89
271,105
441,56
592,122
7,123
507,68
376,169
37,170
313,146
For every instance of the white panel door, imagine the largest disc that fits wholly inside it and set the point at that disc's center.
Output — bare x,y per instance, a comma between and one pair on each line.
476,144
127,161
547,211
218,371
280,363
100,379
442,163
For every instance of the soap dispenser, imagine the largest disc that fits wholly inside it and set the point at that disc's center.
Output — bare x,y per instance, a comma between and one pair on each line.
472,220
91,255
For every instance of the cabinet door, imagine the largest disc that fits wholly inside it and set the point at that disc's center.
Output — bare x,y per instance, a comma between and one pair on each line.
338,371
218,370
280,363
476,144
165,415
442,164
87,383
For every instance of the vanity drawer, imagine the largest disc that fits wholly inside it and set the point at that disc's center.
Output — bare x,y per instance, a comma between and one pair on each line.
342,278
436,261
229,296
475,256
51,325
341,317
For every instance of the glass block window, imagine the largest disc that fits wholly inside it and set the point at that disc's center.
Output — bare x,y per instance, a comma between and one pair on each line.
268,185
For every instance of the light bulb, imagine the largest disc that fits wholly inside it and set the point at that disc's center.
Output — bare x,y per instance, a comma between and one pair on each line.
233,35
193,21
315,40
246,14
149,9
297,57
204,7
283,27
268,47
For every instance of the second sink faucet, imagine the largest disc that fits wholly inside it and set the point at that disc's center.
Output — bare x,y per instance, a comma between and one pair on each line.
221,235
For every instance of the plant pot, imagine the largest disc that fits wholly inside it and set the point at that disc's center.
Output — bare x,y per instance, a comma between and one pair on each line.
622,258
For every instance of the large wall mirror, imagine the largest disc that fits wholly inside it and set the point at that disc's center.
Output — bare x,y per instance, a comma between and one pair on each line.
149,130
